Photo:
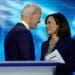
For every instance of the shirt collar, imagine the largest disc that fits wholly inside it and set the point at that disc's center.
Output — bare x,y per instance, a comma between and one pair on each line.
25,24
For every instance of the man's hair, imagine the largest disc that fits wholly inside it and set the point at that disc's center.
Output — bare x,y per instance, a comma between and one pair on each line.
30,8
61,21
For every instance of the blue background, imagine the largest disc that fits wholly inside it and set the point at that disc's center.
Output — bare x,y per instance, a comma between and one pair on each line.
10,12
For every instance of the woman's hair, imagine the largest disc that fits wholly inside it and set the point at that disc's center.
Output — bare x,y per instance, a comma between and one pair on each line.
61,21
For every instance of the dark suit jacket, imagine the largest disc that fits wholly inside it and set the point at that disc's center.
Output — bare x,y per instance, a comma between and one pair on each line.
19,44
66,47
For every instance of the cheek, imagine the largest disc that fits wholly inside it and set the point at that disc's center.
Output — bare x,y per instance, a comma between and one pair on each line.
55,30
34,21
52,29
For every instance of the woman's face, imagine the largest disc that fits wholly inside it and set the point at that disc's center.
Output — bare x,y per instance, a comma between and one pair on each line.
51,26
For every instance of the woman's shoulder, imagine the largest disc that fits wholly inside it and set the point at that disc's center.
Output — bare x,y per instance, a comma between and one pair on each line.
45,43
69,40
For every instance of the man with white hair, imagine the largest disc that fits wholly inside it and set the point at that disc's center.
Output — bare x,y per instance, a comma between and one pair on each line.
19,42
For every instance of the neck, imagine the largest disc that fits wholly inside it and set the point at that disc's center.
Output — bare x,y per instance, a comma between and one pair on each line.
26,20
54,39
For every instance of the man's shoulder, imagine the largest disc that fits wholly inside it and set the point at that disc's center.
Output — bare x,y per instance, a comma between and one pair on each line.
19,26
18,29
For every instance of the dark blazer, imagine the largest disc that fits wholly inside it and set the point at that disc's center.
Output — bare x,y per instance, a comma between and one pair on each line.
19,44
66,47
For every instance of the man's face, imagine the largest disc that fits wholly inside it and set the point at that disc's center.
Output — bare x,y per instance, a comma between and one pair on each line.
36,18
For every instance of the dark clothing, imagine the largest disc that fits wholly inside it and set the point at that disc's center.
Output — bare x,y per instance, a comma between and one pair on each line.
19,44
66,47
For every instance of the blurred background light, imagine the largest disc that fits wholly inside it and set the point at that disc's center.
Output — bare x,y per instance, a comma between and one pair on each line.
10,14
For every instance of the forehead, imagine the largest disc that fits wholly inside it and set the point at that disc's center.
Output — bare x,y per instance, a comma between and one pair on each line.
38,12
50,18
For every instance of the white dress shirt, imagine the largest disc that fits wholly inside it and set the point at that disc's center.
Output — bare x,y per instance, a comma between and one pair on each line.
25,24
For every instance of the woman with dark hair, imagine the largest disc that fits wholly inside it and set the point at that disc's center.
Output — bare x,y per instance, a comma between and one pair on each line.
60,39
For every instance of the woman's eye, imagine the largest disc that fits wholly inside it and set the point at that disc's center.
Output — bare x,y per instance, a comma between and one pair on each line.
48,22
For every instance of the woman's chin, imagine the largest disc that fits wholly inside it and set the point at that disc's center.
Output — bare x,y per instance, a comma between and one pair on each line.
49,33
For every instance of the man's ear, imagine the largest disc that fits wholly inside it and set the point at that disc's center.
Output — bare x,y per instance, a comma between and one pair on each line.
31,16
